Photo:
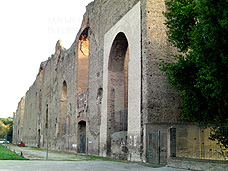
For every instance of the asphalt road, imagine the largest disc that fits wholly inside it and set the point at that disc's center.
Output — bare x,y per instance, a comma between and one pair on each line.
36,165
74,162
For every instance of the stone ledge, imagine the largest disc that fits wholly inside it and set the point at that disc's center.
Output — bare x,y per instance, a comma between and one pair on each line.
197,164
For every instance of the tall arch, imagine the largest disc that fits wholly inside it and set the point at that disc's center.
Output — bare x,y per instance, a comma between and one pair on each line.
118,94
130,25
63,110
82,87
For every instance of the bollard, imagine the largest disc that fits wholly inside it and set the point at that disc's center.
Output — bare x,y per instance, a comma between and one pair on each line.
22,154
14,151
87,149
5,152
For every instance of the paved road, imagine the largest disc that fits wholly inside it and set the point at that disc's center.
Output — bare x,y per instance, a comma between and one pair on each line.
36,165
57,163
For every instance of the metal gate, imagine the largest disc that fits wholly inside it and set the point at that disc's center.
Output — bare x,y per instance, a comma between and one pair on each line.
82,143
123,114
157,146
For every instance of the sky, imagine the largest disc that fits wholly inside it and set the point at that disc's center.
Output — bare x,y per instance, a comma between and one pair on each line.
29,31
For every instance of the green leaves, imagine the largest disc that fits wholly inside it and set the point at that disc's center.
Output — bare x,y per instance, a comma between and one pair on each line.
6,126
180,22
199,29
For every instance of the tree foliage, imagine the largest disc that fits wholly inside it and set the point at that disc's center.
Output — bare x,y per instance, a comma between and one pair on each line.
3,128
6,127
199,30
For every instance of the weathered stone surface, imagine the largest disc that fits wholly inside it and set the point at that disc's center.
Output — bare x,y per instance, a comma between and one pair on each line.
18,117
67,96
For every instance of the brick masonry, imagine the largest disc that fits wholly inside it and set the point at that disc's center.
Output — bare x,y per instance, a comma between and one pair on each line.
60,104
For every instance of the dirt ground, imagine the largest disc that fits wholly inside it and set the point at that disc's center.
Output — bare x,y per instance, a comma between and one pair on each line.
34,153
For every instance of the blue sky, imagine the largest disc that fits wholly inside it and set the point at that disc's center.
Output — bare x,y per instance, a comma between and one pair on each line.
28,34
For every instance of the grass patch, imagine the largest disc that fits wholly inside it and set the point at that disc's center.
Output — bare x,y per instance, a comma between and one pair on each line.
9,154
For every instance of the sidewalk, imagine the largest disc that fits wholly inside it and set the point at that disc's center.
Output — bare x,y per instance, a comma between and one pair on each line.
37,165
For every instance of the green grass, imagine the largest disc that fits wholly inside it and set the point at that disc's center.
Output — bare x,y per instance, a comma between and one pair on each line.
9,154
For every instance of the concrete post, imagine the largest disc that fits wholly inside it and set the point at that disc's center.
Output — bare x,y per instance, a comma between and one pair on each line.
87,144
22,154
47,144
171,142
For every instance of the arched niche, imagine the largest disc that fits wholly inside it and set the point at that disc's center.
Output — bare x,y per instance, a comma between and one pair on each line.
130,26
118,93
63,110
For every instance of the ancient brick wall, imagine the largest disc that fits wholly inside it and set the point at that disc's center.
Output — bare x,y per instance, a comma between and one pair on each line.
31,114
18,118
160,103
54,106
59,99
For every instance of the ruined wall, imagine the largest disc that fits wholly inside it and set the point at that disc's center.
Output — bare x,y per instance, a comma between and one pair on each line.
58,104
31,114
59,99
160,102
103,16
18,118
14,139
128,25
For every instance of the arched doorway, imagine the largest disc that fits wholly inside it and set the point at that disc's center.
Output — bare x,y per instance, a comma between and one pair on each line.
118,97
81,137
39,136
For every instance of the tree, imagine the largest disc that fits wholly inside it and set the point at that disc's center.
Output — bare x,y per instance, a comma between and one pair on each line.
199,30
3,128
6,126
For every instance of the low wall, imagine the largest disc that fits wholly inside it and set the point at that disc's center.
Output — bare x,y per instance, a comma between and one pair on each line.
197,164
